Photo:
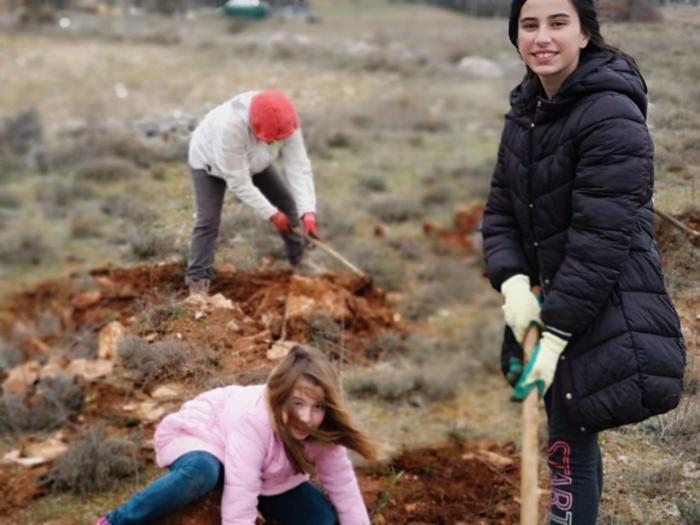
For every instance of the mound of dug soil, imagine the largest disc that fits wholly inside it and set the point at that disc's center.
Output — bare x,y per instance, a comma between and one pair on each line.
466,484
73,327
246,315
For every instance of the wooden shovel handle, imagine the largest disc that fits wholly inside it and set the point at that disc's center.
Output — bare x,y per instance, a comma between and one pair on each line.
330,251
529,485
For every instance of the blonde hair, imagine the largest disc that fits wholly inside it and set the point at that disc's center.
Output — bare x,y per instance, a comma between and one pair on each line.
308,363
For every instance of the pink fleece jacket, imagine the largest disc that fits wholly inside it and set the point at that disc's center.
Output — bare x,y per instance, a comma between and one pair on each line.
234,424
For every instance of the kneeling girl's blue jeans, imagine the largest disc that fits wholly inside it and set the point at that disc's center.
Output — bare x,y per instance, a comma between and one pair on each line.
195,474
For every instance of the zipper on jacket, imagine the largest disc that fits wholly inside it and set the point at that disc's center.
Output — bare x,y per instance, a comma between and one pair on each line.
531,204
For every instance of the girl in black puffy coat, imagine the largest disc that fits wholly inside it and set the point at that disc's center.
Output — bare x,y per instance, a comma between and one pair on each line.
570,210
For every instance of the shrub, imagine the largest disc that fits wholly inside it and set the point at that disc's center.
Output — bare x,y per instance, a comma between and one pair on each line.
690,511
10,200
384,265
10,354
382,382
106,170
373,182
48,324
153,362
85,223
62,194
27,247
396,209
95,462
324,333
58,399
337,226
80,344
157,317
388,344
268,244
438,195
145,243
124,207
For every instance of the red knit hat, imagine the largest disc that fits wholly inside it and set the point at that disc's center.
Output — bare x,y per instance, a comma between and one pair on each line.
272,116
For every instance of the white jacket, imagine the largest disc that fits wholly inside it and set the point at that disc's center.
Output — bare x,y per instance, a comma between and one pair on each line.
223,144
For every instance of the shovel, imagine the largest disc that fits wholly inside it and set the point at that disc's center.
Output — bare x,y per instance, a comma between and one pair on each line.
529,488
330,251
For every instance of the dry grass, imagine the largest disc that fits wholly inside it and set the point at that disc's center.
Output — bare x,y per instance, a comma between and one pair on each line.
388,119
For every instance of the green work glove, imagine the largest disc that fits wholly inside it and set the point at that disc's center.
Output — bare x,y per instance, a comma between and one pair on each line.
521,308
515,370
541,366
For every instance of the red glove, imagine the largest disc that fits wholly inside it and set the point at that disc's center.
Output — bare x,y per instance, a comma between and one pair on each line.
309,220
280,221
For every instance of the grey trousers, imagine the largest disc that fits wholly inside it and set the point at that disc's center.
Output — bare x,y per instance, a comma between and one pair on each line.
209,194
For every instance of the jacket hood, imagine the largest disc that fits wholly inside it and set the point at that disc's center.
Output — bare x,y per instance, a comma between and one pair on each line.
596,73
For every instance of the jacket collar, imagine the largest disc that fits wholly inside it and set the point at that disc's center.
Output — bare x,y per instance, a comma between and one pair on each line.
596,73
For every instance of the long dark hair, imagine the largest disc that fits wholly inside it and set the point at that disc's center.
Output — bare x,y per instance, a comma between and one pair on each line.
589,24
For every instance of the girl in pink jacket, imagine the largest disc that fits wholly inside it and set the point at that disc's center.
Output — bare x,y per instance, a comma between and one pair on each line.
263,441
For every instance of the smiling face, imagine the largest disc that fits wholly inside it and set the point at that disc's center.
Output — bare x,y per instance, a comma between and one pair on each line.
550,40
307,402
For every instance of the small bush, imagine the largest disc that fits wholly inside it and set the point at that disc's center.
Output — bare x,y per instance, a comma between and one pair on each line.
324,333
384,265
124,207
95,462
447,281
24,248
389,385
48,324
163,360
106,170
373,182
83,344
269,244
62,194
438,196
57,399
236,221
157,317
85,224
388,344
690,511
396,209
337,226
9,200
10,354
146,244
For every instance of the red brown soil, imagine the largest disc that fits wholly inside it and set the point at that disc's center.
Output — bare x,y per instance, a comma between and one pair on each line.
457,484
462,238
681,256
452,485
19,486
148,301
126,294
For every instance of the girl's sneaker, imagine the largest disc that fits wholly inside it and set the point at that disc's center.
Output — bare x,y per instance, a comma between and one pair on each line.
102,521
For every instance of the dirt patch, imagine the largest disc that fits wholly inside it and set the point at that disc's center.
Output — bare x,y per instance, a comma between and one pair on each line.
19,486
139,298
464,236
670,238
680,259
455,484
475,484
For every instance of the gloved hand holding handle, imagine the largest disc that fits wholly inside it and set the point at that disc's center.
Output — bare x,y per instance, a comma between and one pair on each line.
281,222
521,308
309,220
541,367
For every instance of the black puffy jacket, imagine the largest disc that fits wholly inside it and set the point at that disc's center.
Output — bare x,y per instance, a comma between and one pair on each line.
570,206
